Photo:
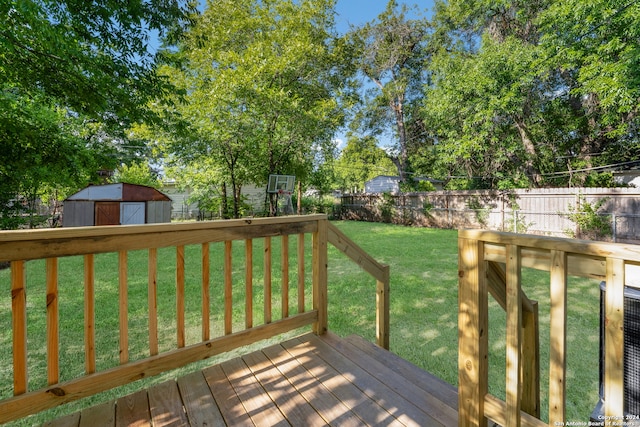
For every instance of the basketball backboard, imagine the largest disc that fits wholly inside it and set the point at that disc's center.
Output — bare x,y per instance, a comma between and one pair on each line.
281,184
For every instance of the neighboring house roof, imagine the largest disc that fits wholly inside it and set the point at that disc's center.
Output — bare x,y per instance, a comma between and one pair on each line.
120,192
389,183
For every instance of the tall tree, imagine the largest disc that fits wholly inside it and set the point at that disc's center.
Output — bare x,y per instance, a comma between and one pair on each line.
263,83
75,74
532,93
392,52
40,151
594,47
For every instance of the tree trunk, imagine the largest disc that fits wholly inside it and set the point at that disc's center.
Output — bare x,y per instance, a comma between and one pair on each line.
532,172
237,198
397,105
224,201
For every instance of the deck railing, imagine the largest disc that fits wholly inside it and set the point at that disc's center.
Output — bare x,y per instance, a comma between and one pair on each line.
491,263
194,245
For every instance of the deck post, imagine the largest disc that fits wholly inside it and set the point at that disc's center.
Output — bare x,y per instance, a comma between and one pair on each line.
473,339
319,279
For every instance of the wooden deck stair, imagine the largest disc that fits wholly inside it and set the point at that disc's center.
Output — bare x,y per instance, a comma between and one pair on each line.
306,381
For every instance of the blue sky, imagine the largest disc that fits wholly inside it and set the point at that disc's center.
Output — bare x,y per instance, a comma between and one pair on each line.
358,12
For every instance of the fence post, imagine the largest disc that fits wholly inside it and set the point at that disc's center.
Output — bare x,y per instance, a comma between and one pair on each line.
614,228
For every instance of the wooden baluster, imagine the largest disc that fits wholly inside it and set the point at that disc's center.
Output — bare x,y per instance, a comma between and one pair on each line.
382,310
89,314
228,289
531,361
206,302
123,304
53,335
614,341
19,323
152,301
514,336
248,281
285,276
320,259
558,339
267,280
301,308
180,323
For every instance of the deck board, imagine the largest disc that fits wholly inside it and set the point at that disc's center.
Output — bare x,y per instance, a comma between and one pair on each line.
104,414
435,409
365,408
298,411
202,409
165,405
305,381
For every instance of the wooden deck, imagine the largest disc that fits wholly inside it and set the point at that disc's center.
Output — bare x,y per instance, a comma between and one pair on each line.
305,381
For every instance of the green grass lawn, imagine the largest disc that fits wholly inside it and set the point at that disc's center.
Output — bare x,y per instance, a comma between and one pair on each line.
423,309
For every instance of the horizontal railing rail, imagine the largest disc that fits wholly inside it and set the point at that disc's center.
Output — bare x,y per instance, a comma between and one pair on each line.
488,259
217,284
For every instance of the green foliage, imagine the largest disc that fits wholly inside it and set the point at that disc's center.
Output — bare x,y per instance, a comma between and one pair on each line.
516,223
139,173
481,212
525,94
425,186
604,179
41,154
92,57
391,52
261,105
412,185
221,207
75,75
387,207
317,204
590,223
360,161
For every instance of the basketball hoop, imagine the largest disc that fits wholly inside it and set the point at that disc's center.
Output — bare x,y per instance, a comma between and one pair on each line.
282,185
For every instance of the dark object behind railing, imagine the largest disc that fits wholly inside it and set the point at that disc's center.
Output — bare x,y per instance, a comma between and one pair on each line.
631,356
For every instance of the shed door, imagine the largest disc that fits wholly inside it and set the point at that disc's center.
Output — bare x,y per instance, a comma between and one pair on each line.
107,213
132,213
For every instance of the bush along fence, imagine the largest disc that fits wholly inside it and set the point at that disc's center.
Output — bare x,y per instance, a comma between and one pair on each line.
609,214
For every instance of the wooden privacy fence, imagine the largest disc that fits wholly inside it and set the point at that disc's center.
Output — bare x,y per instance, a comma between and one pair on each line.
241,320
541,211
491,262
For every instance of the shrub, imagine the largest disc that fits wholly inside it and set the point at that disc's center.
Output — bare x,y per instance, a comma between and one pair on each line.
590,224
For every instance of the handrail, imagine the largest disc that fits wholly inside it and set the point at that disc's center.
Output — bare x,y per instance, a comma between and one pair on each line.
379,271
237,328
478,251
